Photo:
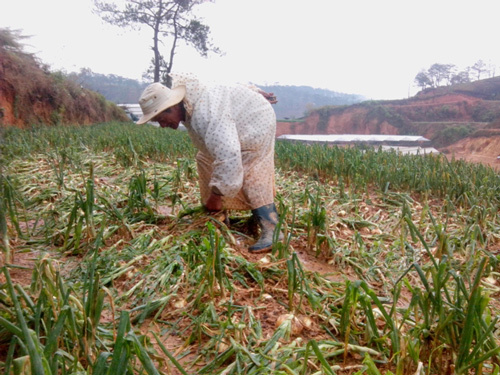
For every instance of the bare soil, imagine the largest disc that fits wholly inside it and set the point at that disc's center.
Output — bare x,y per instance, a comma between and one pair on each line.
483,150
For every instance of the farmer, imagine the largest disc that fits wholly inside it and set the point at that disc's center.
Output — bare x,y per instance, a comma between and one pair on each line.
233,127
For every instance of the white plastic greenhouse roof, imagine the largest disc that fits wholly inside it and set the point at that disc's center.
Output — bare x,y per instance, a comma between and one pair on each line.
133,108
411,150
334,138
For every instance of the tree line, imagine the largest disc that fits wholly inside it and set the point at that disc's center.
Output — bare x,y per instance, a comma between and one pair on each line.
448,74
114,88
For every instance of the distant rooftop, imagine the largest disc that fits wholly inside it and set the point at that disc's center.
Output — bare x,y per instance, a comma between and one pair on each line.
134,110
411,150
351,138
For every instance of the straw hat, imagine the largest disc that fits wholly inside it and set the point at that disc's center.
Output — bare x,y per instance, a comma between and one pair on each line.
156,98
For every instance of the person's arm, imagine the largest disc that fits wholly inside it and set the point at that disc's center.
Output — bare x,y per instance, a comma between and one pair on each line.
214,202
271,98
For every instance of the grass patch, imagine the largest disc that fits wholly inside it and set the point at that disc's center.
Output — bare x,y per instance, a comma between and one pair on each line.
391,262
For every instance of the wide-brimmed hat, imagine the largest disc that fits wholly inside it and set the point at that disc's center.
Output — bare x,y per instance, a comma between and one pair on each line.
156,98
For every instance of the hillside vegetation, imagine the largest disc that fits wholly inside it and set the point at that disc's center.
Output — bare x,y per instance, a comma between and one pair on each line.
114,88
30,94
487,89
293,101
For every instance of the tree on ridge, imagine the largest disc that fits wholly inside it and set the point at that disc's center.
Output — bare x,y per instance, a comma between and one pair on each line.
168,19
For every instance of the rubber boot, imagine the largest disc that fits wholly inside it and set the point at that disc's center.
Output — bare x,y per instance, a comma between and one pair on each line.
267,218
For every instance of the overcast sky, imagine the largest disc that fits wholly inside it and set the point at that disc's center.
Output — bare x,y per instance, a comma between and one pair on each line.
367,47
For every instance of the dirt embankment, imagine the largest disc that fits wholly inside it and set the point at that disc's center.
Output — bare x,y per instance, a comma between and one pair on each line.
353,121
484,150
30,94
415,116
451,107
6,111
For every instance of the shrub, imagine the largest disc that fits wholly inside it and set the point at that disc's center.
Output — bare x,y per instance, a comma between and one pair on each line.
451,134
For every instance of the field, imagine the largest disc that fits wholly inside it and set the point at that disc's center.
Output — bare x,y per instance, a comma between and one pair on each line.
390,264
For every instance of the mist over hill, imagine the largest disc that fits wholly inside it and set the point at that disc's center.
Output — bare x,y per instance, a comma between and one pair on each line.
114,88
293,101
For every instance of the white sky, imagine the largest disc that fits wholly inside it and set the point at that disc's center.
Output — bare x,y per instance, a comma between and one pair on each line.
373,48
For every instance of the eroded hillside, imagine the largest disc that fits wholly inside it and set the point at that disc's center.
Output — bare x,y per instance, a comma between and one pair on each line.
484,150
459,122
30,94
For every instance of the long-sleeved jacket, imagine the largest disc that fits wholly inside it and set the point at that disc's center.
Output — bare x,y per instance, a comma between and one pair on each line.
234,127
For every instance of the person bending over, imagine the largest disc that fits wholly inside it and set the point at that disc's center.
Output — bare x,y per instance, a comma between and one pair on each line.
233,127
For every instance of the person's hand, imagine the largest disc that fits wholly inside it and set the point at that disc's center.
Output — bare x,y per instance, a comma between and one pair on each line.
214,203
271,98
